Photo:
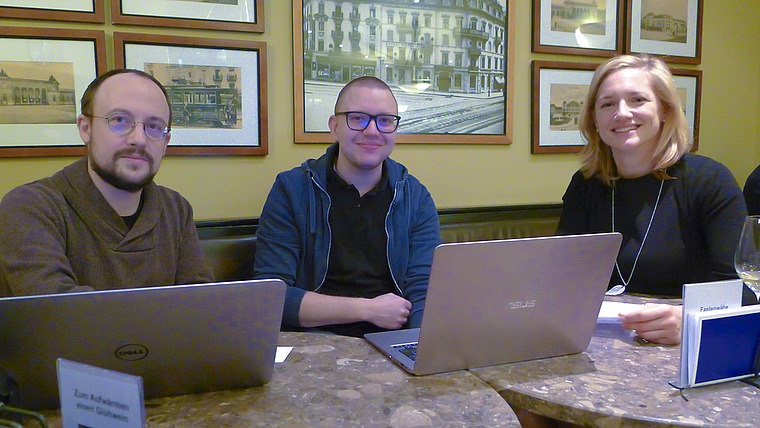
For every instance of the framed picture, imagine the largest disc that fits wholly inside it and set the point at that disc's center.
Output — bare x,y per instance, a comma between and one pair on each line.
449,66
227,15
558,92
217,89
689,85
61,10
671,29
581,28
43,74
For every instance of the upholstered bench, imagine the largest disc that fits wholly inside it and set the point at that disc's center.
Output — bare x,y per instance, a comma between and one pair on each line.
229,245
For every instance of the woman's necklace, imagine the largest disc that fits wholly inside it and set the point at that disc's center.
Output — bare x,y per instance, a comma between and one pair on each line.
619,289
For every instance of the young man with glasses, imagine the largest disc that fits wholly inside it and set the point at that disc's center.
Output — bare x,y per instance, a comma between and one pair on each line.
352,233
101,222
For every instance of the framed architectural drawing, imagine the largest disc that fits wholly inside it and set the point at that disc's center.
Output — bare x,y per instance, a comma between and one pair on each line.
448,64
217,89
43,74
559,90
578,27
227,15
60,10
670,29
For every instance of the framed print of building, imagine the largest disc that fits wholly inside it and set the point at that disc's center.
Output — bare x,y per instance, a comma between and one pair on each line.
447,61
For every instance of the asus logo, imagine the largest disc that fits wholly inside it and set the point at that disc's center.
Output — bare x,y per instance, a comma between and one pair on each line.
131,352
521,304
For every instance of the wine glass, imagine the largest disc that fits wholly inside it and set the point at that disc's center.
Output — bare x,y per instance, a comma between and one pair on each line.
747,258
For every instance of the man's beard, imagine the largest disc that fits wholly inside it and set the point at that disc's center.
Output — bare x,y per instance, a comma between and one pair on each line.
111,177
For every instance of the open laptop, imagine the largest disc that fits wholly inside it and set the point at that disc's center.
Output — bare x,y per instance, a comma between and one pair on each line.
180,339
502,301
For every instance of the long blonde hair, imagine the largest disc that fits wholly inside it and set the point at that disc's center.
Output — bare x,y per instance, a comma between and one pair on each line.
675,137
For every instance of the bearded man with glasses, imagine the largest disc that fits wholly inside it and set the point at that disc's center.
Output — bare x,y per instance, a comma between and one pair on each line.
352,233
101,222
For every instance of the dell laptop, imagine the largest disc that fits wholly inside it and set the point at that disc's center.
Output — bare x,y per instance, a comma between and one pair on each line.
180,339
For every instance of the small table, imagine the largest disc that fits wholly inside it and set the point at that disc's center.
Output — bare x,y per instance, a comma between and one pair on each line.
621,381
331,380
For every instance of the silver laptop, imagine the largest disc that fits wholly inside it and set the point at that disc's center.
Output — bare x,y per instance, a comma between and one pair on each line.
496,302
181,339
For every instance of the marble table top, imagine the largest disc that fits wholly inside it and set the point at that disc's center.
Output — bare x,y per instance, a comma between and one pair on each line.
621,381
336,381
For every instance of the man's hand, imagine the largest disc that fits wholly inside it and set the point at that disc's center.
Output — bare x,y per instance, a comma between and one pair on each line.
388,311
656,323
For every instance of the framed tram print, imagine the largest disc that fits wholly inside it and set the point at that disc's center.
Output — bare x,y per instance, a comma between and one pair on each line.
449,65
559,91
217,89
59,10
671,29
227,15
43,74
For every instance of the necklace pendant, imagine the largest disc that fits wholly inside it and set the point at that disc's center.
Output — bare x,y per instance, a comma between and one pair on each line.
616,290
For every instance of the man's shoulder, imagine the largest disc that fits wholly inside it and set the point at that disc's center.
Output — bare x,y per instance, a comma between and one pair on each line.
44,189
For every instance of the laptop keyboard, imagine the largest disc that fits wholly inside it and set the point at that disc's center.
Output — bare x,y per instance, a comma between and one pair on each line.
408,349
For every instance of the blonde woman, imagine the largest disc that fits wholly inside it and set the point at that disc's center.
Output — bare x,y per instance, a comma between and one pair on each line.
680,213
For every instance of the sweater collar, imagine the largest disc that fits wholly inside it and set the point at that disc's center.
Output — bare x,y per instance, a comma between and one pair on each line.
85,198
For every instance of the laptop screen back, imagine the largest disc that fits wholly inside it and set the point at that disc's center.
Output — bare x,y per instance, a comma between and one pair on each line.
180,339
502,301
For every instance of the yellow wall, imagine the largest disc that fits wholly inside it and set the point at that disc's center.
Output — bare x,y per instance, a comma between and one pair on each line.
457,176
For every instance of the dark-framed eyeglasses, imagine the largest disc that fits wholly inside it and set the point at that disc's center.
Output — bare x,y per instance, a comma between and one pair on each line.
359,121
123,124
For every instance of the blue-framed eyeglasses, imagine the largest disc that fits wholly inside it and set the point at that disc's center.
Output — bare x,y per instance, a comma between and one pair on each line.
359,121
123,124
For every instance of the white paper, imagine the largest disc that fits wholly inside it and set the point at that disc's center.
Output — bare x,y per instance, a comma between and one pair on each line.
282,353
610,312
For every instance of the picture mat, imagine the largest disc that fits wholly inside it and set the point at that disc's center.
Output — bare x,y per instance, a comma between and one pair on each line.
68,5
244,11
547,78
690,109
79,52
595,41
136,55
688,49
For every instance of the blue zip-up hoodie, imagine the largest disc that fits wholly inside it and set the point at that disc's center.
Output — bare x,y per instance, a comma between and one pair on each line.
294,238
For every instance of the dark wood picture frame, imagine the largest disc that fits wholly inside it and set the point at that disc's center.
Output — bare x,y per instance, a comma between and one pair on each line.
52,13
249,56
118,16
564,141
90,42
688,51
546,40
307,59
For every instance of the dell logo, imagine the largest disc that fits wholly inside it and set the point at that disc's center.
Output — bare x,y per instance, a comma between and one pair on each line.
131,352
521,304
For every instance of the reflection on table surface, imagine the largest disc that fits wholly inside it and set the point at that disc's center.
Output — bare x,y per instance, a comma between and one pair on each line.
331,381
621,381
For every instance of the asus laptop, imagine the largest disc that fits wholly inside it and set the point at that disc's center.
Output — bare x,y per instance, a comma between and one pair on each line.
180,339
502,301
